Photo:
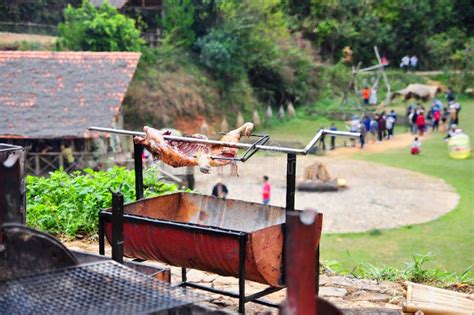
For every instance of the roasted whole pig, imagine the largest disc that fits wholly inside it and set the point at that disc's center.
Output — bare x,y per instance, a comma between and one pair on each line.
178,154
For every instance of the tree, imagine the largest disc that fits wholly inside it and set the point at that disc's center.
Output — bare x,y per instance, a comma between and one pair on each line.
88,28
178,21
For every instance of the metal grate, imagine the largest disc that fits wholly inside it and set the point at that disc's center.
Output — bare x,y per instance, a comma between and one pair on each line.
97,288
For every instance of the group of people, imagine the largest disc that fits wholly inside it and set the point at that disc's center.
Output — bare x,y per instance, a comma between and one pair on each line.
379,126
437,117
408,63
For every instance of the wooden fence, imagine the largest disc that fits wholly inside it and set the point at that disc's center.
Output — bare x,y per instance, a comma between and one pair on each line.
40,164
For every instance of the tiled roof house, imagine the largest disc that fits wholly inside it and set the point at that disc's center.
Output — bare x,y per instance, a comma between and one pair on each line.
59,94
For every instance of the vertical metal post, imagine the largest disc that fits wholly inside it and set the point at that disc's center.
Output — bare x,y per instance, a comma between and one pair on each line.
117,227
101,235
137,156
184,277
318,269
242,254
290,181
302,236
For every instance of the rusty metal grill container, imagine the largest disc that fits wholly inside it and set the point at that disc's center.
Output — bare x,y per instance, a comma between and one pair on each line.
97,288
202,232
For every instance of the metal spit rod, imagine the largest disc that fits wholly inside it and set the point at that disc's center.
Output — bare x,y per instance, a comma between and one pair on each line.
238,145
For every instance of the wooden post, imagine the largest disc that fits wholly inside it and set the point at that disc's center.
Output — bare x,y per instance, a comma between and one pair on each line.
37,165
385,79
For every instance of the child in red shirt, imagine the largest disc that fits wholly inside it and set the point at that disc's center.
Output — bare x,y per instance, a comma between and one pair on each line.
266,192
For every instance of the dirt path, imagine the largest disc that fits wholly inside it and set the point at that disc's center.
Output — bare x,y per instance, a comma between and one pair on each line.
399,141
377,197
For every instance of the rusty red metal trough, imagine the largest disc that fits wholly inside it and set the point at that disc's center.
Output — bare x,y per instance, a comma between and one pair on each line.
203,232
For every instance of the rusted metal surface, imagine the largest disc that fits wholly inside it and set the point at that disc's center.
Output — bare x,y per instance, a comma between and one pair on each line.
187,245
303,231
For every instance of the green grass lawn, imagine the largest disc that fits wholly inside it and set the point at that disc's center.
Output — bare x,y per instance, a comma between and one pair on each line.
450,238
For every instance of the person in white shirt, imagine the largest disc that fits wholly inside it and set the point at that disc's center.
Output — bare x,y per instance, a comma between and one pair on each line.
416,147
413,62
373,96
389,124
405,63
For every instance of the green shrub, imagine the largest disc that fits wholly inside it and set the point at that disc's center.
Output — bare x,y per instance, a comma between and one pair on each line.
178,21
222,55
69,204
88,28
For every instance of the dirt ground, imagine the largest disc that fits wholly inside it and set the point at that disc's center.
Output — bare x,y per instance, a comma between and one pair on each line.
399,141
376,197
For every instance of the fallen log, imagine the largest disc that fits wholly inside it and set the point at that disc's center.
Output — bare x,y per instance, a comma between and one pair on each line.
317,185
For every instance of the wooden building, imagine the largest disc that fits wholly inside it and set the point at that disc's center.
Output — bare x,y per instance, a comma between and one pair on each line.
48,99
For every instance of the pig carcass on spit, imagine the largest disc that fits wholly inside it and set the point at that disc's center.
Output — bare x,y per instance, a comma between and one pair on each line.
178,153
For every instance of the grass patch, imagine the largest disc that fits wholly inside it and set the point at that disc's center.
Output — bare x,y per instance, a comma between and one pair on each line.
414,270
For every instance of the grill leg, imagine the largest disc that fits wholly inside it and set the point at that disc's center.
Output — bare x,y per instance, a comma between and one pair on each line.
101,236
290,181
117,227
242,246
184,277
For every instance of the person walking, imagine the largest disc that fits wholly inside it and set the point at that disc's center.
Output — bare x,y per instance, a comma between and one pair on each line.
266,191
220,190
389,124
381,127
363,133
453,119
436,119
373,128
444,119
420,123
394,118
457,108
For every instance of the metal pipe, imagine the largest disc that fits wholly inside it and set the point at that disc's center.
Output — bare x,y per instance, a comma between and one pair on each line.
238,145
138,164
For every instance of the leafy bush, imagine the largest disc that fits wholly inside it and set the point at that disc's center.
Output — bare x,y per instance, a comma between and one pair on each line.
70,203
178,21
221,53
88,28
